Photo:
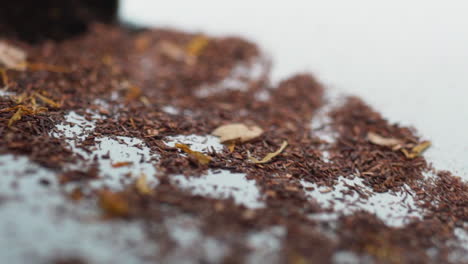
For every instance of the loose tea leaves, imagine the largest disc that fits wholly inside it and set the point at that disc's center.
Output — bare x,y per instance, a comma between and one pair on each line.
21,110
269,156
237,131
200,157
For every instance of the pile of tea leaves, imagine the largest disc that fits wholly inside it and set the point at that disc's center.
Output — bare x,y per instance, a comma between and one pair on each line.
320,164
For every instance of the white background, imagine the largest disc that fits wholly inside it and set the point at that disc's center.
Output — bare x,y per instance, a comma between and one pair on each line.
409,59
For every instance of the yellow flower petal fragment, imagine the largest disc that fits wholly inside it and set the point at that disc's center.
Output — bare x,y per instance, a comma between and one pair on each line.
232,146
114,204
141,184
200,157
270,156
237,131
16,117
417,150
12,57
196,45
383,141
172,50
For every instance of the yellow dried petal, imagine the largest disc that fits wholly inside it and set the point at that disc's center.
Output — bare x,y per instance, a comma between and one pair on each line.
141,184
383,141
172,50
16,117
237,131
270,156
417,150
113,204
196,45
232,146
200,157
12,57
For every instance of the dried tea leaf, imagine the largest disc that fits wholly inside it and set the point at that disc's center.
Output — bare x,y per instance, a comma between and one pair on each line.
4,75
383,141
122,164
196,45
142,43
237,131
417,150
133,93
76,194
113,204
200,157
12,57
45,67
141,184
270,156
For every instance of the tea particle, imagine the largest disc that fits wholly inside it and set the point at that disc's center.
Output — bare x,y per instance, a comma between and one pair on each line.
122,164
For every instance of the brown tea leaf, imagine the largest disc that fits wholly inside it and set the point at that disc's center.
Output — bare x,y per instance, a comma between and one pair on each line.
4,75
237,131
270,156
383,141
200,157
114,204
76,194
122,164
141,184
45,67
12,57
417,150
133,93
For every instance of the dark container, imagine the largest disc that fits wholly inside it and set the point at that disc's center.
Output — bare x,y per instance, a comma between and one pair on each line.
38,20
